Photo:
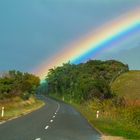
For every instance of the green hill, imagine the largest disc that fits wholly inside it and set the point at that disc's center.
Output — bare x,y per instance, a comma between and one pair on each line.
128,85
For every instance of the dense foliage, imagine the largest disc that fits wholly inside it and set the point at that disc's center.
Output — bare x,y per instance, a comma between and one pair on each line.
86,80
16,83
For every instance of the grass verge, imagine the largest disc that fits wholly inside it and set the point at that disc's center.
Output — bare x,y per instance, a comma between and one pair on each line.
109,126
16,107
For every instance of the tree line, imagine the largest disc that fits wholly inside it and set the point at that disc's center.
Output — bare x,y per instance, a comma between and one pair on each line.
16,83
84,81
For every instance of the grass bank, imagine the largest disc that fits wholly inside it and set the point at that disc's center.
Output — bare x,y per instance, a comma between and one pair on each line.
16,106
112,121
127,86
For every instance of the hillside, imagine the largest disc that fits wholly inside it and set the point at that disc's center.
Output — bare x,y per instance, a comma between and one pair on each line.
128,85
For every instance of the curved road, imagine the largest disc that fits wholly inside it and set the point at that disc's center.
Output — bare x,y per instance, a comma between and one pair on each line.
55,121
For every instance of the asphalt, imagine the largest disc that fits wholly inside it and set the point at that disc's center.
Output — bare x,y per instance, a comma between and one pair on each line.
55,121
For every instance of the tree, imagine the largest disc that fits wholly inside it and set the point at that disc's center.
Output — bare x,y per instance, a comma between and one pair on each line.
84,81
16,83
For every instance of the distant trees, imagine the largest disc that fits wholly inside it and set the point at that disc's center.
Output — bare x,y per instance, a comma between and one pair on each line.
16,83
84,81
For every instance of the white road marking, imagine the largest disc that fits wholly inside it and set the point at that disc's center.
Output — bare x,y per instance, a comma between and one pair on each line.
55,113
51,120
38,139
58,107
46,127
53,116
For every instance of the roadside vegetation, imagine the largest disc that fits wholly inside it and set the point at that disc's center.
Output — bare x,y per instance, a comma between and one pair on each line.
16,106
17,94
91,86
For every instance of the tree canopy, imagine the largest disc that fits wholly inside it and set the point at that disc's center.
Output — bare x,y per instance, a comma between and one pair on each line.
16,83
86,80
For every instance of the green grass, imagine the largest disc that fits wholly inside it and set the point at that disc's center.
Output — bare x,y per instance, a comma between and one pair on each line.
128,85
16,107
108,125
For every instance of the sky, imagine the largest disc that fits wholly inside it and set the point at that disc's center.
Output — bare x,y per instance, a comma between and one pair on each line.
32,31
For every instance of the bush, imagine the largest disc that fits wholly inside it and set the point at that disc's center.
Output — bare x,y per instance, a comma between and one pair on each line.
16,83
25,96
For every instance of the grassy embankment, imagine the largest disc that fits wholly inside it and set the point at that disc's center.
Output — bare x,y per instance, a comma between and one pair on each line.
16,106
128,86
116,119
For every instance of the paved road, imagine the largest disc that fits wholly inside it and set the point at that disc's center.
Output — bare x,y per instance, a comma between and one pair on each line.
55,121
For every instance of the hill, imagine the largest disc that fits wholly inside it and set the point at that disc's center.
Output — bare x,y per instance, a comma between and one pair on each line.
127,85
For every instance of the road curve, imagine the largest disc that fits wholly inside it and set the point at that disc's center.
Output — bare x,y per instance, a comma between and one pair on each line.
55,121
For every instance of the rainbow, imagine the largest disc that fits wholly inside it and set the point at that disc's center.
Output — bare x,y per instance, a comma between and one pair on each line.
108,35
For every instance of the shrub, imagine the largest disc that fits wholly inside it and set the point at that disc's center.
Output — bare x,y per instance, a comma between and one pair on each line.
25,96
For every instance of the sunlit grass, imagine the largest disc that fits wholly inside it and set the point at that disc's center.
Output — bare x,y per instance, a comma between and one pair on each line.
16,106
110,125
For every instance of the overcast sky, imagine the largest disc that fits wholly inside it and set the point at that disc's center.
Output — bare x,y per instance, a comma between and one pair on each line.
33,30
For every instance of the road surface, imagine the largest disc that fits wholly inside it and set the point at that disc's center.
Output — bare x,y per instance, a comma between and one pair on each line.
55,121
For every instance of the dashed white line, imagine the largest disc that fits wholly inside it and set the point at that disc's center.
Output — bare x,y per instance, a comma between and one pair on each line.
51,120
58,107
38,139
46,127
